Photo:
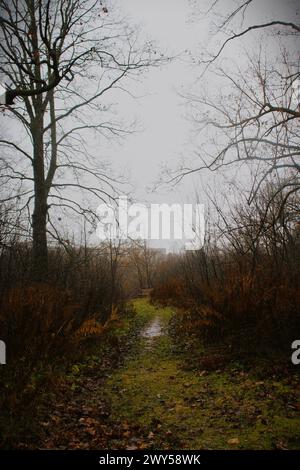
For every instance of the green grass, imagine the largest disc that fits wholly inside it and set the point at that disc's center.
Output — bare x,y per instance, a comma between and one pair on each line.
178,408
150,395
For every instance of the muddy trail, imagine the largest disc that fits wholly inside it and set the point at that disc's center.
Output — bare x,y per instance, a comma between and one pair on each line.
143,397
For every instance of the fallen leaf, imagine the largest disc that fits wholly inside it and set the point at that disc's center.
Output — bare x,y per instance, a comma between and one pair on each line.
281,446
234,441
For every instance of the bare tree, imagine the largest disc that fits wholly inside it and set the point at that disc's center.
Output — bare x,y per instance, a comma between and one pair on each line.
256,121
254,116
60,57
144,259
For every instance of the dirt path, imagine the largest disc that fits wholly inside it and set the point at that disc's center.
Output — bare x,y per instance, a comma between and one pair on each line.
150,401
176,408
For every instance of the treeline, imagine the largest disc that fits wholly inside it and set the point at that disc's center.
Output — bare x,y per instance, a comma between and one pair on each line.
241,291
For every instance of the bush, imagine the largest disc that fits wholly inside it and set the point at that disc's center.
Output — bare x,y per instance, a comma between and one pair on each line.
245,296
48,326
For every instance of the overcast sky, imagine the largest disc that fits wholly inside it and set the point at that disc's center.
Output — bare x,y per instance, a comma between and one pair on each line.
179,28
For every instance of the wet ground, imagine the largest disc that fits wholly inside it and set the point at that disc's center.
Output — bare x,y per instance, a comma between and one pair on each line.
152,330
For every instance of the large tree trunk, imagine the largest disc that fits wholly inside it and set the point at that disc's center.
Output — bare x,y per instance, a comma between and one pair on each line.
39,217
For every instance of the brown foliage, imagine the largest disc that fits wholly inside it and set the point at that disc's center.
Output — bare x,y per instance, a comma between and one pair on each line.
245,296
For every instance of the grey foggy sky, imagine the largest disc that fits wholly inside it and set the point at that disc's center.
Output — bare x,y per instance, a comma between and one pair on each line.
178,27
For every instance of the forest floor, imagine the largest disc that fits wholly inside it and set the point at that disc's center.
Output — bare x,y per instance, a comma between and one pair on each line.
144,397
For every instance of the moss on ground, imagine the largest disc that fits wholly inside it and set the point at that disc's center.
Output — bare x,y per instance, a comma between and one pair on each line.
177,408
135,392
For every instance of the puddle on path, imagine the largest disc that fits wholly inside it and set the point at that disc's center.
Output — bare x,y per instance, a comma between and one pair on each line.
153,330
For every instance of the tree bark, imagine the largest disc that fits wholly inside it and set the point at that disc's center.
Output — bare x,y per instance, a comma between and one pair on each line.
39,217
